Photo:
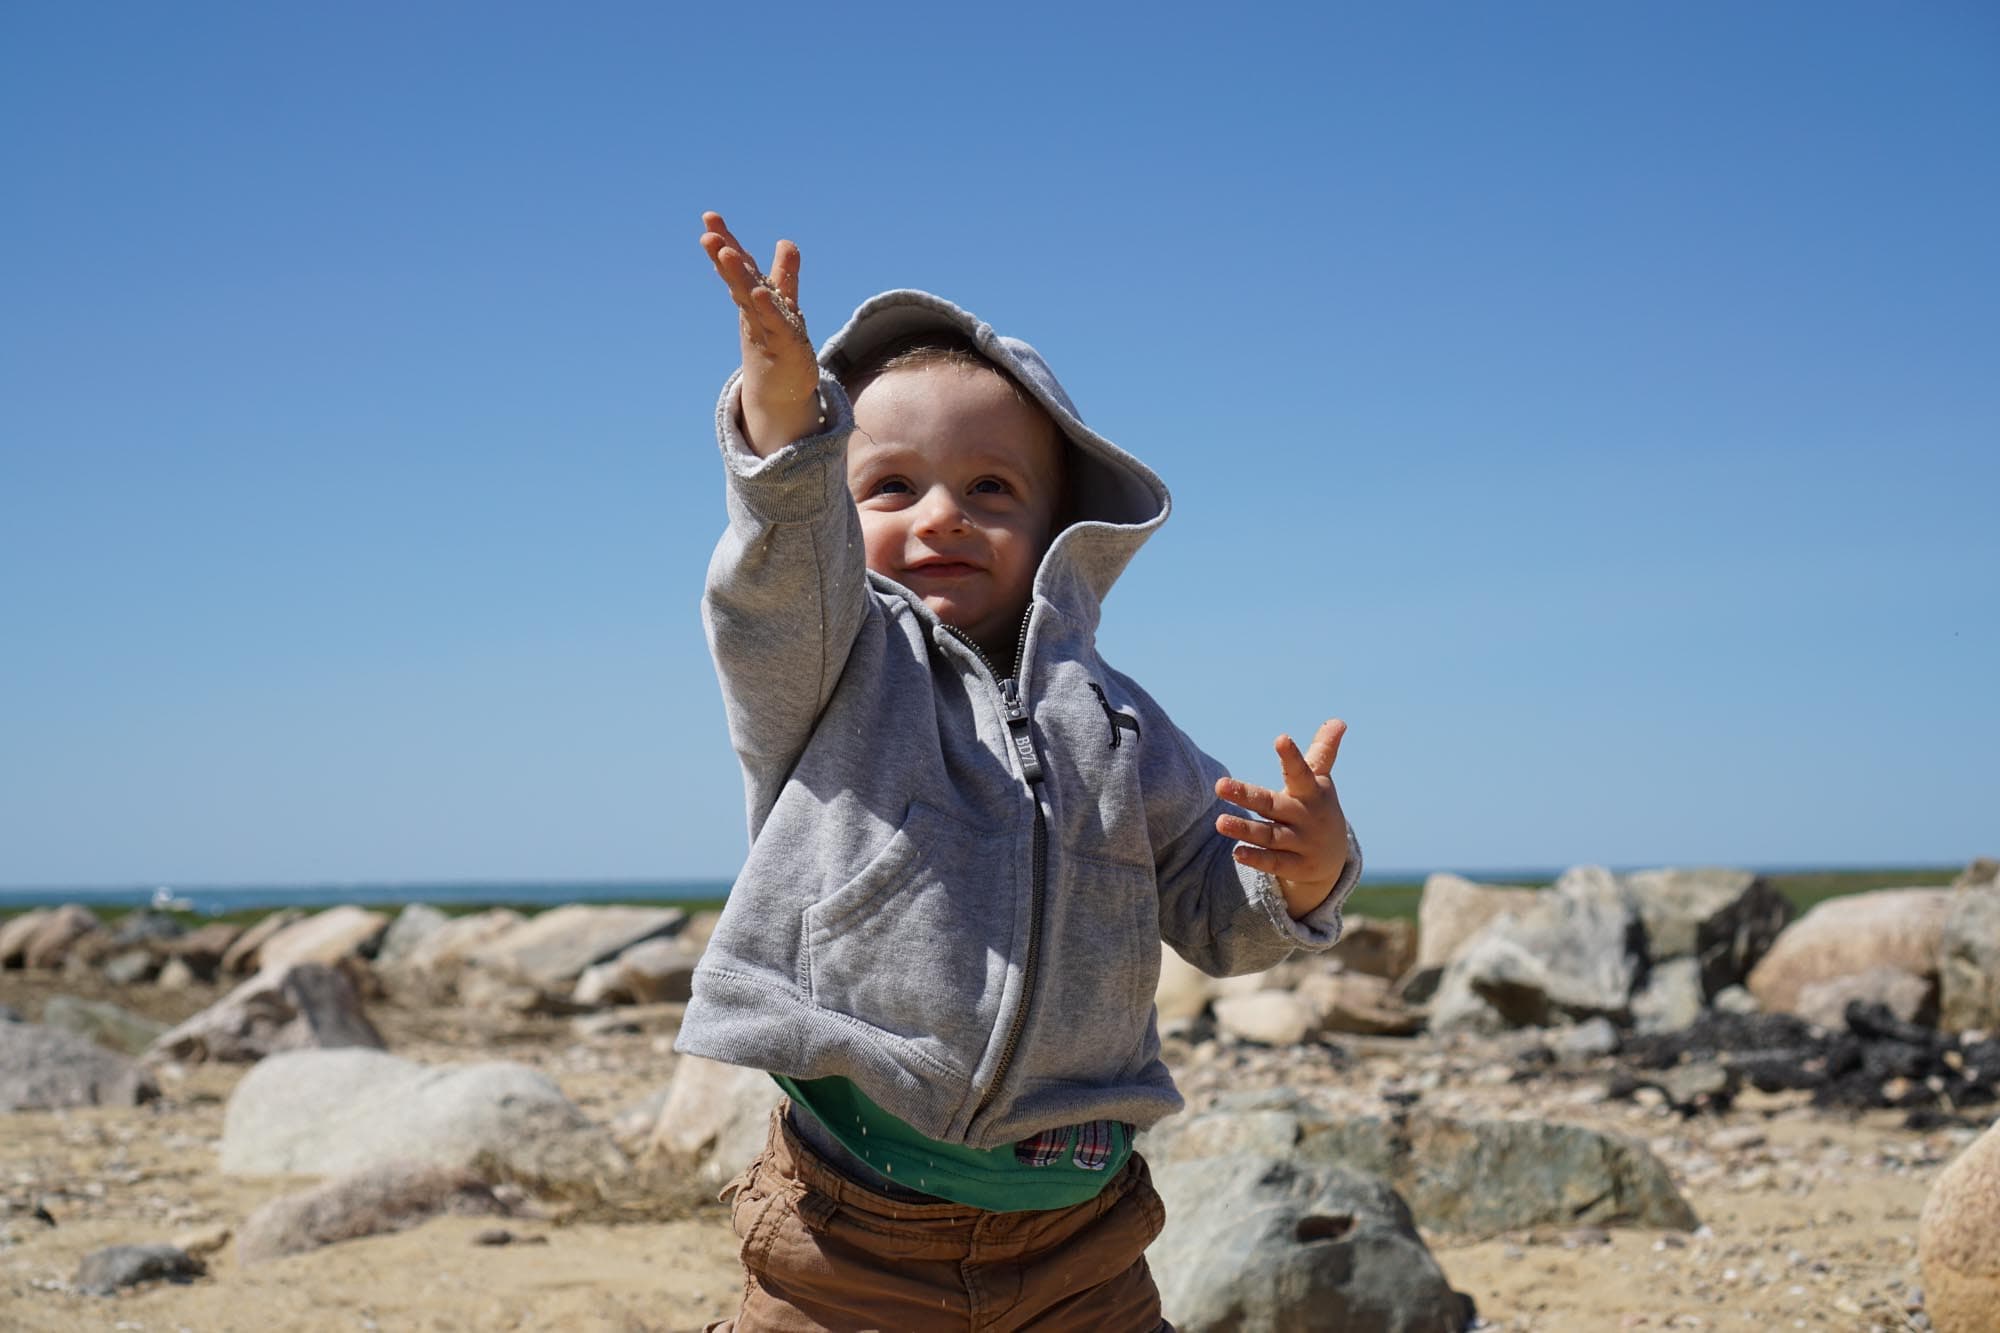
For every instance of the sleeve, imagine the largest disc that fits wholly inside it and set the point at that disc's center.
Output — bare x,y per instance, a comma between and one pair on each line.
786,591
1222,916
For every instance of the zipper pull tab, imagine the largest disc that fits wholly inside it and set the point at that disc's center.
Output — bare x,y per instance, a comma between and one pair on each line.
1017,730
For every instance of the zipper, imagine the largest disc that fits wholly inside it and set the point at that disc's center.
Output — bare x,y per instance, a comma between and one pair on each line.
1022,738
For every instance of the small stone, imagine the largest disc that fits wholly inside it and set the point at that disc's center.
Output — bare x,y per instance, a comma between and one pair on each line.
104,1271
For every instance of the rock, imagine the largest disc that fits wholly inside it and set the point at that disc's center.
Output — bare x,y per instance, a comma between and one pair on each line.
392,1196
105,1271
202,949
1272,1017
444,951
699,929
1911,998
146,926
9,1014
282,1009
1958,1240
241,956
42,1069
413,925
335,1112
1377,947
1982,873
1259,1243
1736,1000
599,986
1724,919
129,967
1671,997
328,937
176,975
204,1241
656,971
715,1118
16,931
1573,954
56,934
632,1127
109,1026
552,949
1184,990
1451,911
1841,936
1468,1177
505,993
1356,1003
1969,959
1585,1041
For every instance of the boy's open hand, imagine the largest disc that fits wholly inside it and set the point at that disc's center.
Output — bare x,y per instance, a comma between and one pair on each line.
1304,844
780,375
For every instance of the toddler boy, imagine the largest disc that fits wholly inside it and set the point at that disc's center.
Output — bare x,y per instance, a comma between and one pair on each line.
968,833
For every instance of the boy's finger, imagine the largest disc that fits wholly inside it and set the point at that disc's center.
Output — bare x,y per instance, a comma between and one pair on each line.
785,271
1326,747
1261,800
715,224
1278,837
1299,779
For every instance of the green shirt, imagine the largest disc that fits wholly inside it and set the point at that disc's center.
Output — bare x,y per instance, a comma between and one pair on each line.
1000,1180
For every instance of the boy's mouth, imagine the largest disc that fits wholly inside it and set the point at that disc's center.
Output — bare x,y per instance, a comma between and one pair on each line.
941,569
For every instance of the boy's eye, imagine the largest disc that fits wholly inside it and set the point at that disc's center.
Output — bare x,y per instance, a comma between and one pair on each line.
890,486
989,486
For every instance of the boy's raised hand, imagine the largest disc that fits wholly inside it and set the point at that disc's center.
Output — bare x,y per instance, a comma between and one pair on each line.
1304,842
780,375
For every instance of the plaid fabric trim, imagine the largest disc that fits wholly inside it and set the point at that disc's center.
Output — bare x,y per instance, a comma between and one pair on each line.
1093,1145
1044,1149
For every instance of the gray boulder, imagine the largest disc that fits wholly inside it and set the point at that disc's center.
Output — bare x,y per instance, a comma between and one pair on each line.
129,967
1266,1245
1724,919
146,926
1468,1177
105,1271
16,931
42,1069
1672,997
106,1024
335,1112
551,950
1842,936
1969,960
1451,911
282,1009
412,926
241,956
1911,998
393,1196
56,934
1574,953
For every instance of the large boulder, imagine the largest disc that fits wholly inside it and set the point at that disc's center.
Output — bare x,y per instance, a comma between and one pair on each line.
656,971
1909,997
1267,1017
1451,911
1900,928
1376,946
1356,1003
1260,1243
443,951
241,957
335,1112
202,949
16,931
1969,959
57,933
1574,953
42,1069
295,1007
329,937
551,950
1671,998
1183,991
412,926
715,1118
106,1024
1467,1177
1725,919
1958,1240
392,1196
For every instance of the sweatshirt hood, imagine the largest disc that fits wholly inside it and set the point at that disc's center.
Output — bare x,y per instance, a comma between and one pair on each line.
1116,502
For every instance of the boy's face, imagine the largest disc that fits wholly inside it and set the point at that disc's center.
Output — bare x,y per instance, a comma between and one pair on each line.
956,480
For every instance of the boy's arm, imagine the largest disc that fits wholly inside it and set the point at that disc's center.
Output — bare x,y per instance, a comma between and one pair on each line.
787,586
1238,894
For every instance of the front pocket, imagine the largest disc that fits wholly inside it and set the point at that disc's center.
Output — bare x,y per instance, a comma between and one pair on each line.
917,943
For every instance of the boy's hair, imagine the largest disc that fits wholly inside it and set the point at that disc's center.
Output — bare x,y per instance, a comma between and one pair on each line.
948,347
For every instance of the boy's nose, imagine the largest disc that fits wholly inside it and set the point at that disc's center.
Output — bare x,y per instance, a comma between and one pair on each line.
939,511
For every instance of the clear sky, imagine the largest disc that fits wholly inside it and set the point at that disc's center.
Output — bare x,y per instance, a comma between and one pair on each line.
1597,405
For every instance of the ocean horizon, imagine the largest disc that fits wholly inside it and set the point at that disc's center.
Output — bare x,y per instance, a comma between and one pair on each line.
216,899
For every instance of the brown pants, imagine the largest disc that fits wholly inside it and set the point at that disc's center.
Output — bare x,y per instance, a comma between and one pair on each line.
825,1254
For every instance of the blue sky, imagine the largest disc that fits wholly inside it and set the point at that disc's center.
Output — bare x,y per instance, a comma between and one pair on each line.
1596,405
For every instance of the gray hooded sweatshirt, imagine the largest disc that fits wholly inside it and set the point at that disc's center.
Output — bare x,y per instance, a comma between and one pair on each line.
959,870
